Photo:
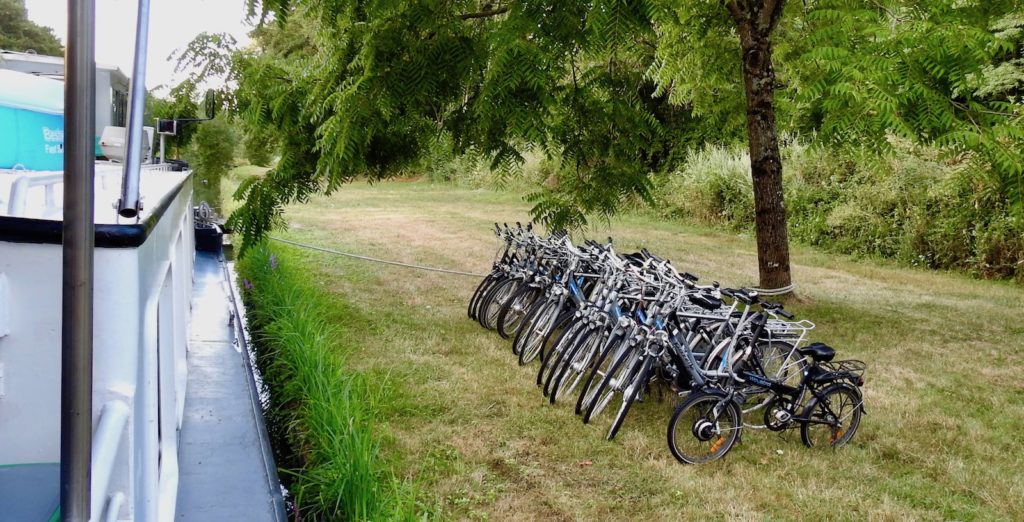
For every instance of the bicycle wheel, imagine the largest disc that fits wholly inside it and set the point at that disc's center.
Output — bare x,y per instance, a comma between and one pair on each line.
481,290
528,318
601,367
630,394
515,308
576,354
548,339
578,367
779,361
566,340
833,421
531,333
614,381
703,428
491,305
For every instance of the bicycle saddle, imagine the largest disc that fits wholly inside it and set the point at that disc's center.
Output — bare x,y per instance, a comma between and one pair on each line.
820,352
707,302
636,259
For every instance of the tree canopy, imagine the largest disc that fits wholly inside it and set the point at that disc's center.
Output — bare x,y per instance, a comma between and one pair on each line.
612,90
18,33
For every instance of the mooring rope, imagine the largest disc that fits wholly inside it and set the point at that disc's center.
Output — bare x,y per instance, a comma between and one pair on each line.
776,291
375,260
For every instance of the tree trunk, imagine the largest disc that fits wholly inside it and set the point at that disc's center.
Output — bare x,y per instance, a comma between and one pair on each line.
755,20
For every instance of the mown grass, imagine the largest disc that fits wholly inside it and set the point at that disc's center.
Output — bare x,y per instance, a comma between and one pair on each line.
467,426
329,450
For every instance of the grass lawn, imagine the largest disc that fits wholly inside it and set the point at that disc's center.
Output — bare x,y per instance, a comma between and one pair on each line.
943,438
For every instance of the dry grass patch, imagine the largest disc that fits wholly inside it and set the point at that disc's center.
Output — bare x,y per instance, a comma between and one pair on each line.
945,406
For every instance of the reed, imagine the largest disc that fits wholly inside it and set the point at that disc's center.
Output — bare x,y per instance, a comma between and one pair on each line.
323,412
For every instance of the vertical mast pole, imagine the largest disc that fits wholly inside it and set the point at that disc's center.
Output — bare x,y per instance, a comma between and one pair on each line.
79,236
128,206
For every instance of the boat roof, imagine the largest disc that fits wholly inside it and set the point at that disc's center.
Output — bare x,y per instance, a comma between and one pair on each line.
20,90
49,66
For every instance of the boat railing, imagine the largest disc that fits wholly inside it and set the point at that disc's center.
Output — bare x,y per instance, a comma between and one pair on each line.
106,442
107,180
20,187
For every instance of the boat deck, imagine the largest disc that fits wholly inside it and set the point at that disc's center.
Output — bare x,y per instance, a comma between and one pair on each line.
227,471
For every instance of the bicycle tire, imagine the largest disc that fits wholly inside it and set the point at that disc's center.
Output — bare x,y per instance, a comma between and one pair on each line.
607,355
836,435
566,340
563,357
619,373
511,315
548,338
630,394
578,360
533,325
528,320
704,428
495,298
481,290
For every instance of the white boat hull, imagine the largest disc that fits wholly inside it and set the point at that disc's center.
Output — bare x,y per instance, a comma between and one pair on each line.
141,314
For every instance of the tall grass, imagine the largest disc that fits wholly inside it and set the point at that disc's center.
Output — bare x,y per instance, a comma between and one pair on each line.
912,205
325,412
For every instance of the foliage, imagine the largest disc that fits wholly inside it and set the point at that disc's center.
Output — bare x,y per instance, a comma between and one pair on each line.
179,103
18,33
207,58
374,85
713,186
871,70
607,92
213,150
259,144
211,156
908,205
329,411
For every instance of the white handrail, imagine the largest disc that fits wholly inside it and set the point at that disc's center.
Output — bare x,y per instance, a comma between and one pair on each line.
19,190
113,507
18,200
106,442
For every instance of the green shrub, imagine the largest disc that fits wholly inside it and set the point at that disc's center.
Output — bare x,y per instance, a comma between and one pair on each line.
911,205
259,144
713,186
442,165
211,155
332,463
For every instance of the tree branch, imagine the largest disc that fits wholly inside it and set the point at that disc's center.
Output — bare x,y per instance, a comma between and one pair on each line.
968,110
775,15
738,14
484,14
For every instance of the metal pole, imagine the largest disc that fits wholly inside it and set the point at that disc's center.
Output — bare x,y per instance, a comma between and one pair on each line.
163,148
128,206
79,236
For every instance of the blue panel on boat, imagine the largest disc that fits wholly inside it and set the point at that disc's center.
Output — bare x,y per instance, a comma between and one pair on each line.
31,140
31,122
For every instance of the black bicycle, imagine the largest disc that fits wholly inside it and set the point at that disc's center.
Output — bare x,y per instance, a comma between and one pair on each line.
826,405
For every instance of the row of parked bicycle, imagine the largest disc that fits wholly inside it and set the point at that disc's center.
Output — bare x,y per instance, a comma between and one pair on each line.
607,328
